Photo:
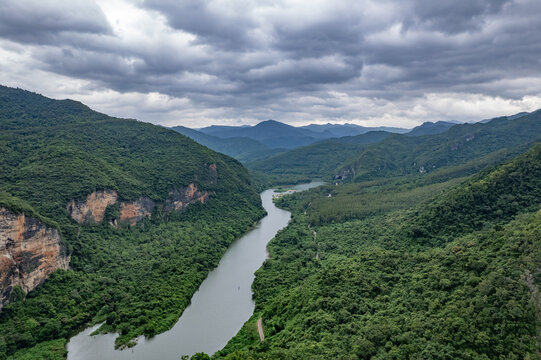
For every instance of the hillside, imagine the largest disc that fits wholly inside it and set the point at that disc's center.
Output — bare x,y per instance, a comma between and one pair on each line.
453,274
341,130
275,134
314,160
271,133
243,149
401,155
140,213
430,128
472,146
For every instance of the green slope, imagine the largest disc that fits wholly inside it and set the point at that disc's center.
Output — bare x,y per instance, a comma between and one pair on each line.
370,288
241,148
471,146
274,134
316,160
403,155
430,128
137,279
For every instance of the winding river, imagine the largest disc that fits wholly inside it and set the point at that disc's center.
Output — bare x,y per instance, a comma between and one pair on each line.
218,309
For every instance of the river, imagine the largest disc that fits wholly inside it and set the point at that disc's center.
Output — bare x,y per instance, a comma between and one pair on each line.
219,308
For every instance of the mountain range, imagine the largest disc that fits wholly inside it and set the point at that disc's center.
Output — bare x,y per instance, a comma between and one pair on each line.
267,138
382,154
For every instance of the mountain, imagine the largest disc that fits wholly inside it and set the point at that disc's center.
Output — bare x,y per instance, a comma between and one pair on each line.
271,133
314,160
275,134
241,148
400,154
106,220
510,117
430,128
340,130
446,270
217,129
380,154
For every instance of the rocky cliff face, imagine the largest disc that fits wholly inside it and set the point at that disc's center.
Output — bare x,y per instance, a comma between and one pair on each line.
180,199
135,211
29,253
93,209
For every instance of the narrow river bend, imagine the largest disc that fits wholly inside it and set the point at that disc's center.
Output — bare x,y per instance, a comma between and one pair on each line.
218,309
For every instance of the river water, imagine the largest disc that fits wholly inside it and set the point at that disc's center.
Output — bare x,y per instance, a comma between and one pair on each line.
218,309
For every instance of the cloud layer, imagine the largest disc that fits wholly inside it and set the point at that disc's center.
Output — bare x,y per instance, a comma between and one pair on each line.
194,62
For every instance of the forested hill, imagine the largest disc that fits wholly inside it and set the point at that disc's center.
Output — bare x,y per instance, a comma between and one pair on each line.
491,197
448,270
241,148
401,155
316,160
140,212
480,144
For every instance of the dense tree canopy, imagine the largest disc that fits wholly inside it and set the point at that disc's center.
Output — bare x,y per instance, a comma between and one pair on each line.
370,287
139,279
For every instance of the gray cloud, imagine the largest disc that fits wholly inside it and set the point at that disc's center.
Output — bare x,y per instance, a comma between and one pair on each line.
43,21
335,60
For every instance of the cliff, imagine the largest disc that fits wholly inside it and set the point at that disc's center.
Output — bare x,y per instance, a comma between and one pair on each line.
29,253
92,210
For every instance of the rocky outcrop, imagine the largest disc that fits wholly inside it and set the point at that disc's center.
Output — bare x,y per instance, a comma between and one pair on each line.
180,199
135,211
93,209
29,252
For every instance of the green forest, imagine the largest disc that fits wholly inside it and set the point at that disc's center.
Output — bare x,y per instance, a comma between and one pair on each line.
464,148
137,280
416,271
424,247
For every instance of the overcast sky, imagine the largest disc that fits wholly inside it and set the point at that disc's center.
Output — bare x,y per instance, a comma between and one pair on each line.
196,63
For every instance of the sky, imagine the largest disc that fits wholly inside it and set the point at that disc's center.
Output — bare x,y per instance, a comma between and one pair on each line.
197,63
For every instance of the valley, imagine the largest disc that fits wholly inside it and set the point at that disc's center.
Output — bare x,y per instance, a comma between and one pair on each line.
421,244
270,180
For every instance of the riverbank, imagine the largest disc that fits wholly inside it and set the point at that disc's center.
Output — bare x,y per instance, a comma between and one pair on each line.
218,309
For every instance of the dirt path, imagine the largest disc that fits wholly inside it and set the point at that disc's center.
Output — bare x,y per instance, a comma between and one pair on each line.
260,329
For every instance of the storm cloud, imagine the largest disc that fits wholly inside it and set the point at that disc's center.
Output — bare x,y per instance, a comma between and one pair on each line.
198,62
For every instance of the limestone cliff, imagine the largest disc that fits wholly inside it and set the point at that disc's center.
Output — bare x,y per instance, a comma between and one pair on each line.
180,199
93,209
135,211
29,253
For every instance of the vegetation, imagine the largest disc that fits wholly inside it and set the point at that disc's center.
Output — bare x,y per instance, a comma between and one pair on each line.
274,134
319,159
416,258
241,148
359,158
48,350
139,279
378,285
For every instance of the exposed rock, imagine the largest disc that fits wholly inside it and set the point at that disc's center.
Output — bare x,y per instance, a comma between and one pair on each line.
135,211
93,209
180,199
131,212
29,252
